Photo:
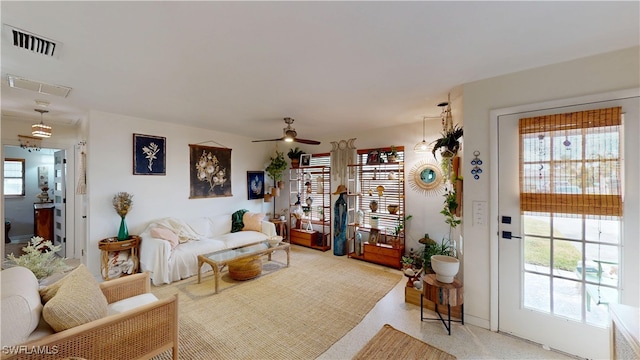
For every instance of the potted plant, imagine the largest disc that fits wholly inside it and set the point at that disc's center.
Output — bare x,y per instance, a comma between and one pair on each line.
431,248
392,154
449,142
276,168
294,155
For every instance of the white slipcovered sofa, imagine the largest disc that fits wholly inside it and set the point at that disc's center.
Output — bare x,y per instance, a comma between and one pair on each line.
170,247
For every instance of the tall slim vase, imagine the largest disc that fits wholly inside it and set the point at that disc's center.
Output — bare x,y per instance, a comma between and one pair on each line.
123,233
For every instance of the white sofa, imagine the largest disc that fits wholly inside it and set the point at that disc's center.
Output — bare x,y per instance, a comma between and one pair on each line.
207,234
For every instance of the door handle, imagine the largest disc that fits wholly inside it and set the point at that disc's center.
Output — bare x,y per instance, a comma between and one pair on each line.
509,235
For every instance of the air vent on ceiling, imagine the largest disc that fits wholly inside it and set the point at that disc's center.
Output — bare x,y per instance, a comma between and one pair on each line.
32,42
38,86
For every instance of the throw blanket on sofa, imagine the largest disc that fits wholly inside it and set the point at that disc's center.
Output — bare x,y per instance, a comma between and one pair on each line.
180,228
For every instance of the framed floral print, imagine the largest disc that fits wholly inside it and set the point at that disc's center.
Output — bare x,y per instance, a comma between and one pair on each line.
149,155
255,185
210,171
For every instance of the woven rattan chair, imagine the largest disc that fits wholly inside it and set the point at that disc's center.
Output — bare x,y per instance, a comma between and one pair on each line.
140,333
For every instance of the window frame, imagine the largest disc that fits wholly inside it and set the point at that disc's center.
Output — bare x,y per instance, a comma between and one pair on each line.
21,178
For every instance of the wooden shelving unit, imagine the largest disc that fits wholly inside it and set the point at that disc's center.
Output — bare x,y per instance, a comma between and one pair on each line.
363,183
311,182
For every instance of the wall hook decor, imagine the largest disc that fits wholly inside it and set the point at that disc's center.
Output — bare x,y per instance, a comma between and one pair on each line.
476,162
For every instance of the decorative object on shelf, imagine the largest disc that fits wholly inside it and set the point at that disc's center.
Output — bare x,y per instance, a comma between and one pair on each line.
392,176
294,154
445,267
359,217
373,236
392,154
393,208
149,155
255,185
340,222
30,143
41,130
307,185
305,160
40,257
373,205
122,202
309,201
380,190
210,171
426,177
358,245
319,185
373,157
476,162
374,221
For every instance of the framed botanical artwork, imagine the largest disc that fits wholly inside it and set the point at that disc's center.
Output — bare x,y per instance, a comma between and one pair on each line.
305,159
210,172
255,185
373,157
149,155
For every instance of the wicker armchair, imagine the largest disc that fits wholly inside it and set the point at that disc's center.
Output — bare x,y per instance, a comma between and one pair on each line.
140,333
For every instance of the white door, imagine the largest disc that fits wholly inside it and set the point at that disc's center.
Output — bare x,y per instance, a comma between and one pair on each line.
59,201
557,272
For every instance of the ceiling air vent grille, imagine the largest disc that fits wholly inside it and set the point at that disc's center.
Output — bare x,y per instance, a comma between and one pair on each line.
32,42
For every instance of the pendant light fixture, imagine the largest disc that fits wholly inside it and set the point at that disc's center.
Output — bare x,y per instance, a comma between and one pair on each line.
41,130
423,146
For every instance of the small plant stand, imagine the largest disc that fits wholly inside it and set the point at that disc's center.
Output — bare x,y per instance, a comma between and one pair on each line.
442,294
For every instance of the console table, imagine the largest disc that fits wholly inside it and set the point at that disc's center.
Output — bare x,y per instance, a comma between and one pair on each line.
442,294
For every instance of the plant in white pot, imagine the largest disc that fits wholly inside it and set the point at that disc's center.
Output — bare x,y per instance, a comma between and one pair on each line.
447,265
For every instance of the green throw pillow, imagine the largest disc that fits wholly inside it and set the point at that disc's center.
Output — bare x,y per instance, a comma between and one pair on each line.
236,220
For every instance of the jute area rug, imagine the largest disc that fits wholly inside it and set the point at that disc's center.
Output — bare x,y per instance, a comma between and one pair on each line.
286,313
390,343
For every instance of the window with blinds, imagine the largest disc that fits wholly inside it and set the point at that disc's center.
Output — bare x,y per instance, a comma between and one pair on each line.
312,176
571,163
388,176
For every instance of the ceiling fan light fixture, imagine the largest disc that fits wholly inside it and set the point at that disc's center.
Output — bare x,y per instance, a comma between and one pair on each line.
41,130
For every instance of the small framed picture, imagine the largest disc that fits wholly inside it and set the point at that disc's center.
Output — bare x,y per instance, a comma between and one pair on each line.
255,185
373,157
305,159
149,155
373,236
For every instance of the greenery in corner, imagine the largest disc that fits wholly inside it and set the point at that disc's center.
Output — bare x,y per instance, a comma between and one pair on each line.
294,153
449,210
277,166
449,140
433,248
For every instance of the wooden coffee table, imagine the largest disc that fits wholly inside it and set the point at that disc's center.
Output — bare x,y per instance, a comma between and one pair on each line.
219,259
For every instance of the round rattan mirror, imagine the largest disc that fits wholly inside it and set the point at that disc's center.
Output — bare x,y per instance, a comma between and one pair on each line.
426,177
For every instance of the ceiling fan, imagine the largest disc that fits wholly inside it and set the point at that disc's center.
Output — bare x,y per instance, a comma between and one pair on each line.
290,135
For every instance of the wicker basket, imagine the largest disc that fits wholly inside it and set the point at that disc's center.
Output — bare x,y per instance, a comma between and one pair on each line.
245,269
112,243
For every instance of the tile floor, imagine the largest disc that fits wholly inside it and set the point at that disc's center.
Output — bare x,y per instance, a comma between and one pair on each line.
466,341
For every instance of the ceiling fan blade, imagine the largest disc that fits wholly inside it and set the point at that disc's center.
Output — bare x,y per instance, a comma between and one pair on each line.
280,139
305,141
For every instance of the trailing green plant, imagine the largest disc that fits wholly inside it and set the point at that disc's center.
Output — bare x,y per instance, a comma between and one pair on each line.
449,210
449,139
277,166
400,225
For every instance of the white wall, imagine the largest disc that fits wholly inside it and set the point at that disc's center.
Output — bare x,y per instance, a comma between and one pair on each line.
109,171
598,74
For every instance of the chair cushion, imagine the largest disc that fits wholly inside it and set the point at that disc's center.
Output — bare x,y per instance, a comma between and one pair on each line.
76,302
130,303
252,221
166,234
236,220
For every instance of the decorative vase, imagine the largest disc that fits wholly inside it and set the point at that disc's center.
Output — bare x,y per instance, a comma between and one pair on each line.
393,208
373,205
123,233
374,222
358,244
295,163
309,201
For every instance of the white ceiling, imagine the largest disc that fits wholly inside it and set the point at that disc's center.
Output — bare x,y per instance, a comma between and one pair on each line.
240,67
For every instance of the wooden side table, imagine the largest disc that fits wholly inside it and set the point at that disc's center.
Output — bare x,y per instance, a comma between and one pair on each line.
442,294
112,244
281,228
